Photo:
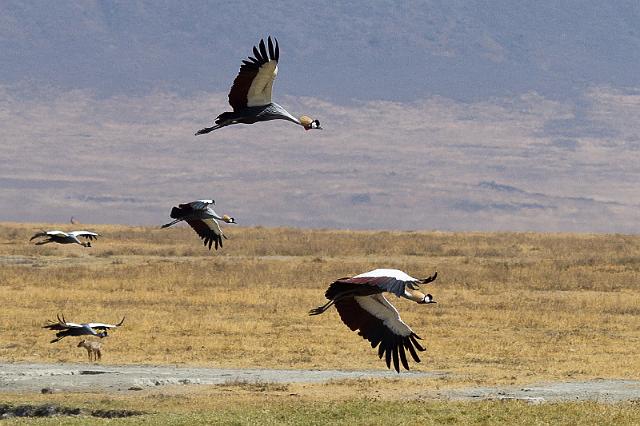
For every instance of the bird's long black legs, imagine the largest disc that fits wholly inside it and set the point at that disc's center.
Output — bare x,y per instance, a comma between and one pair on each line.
321,309
166,225
208,129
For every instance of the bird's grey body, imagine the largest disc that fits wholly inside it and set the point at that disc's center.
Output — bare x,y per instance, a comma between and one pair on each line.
250,115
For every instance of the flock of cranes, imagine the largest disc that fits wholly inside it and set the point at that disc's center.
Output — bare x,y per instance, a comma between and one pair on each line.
359,300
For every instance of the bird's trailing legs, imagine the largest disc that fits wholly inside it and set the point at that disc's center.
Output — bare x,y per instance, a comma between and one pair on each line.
321,309
208,129
166,225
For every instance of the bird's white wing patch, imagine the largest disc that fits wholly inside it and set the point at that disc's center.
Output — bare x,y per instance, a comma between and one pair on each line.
101,325
57,233
260,90
83,233
391,273
378,306
73,325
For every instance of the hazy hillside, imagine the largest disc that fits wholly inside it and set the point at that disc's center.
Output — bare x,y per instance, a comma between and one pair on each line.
437,115
334,50
508,165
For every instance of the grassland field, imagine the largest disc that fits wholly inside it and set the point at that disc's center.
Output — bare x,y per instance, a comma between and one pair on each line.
513,308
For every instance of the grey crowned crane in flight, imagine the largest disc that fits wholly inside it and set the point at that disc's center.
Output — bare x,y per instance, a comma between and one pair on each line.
250,94
203,219
65,328
363,308
65,237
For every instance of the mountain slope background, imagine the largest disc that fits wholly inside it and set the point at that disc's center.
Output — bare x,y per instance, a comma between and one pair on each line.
437,115
402,51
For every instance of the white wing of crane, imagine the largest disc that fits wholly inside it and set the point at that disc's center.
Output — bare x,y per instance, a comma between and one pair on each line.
378,306
260,90
85,234
101,325
55,232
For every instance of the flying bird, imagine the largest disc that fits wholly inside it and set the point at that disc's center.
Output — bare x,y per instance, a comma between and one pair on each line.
250,94
65,237
65,328
203,219
363,308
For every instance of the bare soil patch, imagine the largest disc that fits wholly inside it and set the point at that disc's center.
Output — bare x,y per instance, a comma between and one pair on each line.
24,377
27,377
598,390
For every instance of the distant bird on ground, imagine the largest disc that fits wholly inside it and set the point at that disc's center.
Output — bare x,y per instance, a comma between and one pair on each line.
65,237
74,221
65,328
250,95
362,307
203,219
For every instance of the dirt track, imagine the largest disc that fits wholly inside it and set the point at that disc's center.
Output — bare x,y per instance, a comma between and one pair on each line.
24,377
20,377
599,390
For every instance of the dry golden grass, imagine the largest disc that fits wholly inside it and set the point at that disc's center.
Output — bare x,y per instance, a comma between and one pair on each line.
512,307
